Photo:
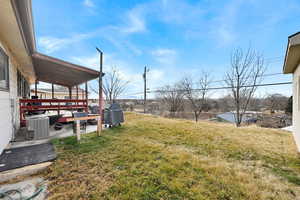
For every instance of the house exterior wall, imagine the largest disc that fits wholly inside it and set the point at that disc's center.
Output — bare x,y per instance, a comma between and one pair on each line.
296,106
9,101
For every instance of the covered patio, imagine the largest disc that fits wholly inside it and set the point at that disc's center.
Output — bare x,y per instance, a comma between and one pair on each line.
27,67
58,72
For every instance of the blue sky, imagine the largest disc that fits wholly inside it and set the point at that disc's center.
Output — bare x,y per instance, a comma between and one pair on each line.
172,37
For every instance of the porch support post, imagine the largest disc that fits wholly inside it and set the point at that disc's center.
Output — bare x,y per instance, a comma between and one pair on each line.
78,130
52,91
82,94
70,92
35,87
86,96
99,125
86,91
77,97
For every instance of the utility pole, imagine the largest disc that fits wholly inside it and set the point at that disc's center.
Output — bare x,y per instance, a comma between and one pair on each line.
100,90
145,87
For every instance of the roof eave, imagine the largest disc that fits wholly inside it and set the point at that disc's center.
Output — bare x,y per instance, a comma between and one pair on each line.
23,13
292,55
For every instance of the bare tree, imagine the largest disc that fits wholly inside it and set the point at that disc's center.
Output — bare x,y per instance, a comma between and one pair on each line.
113,85
172,96
276,102
247,69
197,97
225,103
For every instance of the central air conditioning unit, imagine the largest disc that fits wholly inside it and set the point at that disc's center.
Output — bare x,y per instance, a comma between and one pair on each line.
40,126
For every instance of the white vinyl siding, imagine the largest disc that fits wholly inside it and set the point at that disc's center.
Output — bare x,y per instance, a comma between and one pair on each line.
5,120
297,94
9,106
4,70
296,106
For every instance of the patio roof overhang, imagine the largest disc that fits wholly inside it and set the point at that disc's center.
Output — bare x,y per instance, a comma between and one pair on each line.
292,56
41,67
56,71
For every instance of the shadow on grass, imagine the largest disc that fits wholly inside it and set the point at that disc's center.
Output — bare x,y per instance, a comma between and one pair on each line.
89,142
289,175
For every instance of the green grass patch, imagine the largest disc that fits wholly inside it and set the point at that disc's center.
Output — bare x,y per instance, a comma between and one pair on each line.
157,158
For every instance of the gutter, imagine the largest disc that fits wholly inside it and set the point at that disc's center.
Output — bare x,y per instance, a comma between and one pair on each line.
26,27
290,45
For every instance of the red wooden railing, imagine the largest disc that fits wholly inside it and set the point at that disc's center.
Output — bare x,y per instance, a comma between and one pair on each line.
31,105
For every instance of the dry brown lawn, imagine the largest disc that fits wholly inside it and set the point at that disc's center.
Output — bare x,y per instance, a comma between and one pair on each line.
157,158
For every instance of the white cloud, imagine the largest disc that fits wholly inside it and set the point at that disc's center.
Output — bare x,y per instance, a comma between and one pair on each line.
156,74
164,56
109,61
163,52
194,19
89,61
223,26
88,3
180,12
155,78
122,43
126,70
224,36
51,44
135,21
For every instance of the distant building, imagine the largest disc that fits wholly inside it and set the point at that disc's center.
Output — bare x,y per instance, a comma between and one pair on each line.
59,93
249,117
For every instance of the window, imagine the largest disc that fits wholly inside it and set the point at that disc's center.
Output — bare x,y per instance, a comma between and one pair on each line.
4,71
23,86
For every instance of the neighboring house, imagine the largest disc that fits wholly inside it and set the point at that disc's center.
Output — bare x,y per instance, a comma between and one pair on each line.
59,93
292,65
21,65
248,117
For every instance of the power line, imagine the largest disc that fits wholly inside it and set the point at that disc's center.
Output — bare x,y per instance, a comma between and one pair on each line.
265,75
218,88
245,86
275,58
268,60
217,81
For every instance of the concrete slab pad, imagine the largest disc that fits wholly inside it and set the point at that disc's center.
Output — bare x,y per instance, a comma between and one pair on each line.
288,128
27,189
23,171
65,132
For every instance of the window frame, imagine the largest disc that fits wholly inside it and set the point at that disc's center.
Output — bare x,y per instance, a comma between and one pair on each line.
23,85
6,57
